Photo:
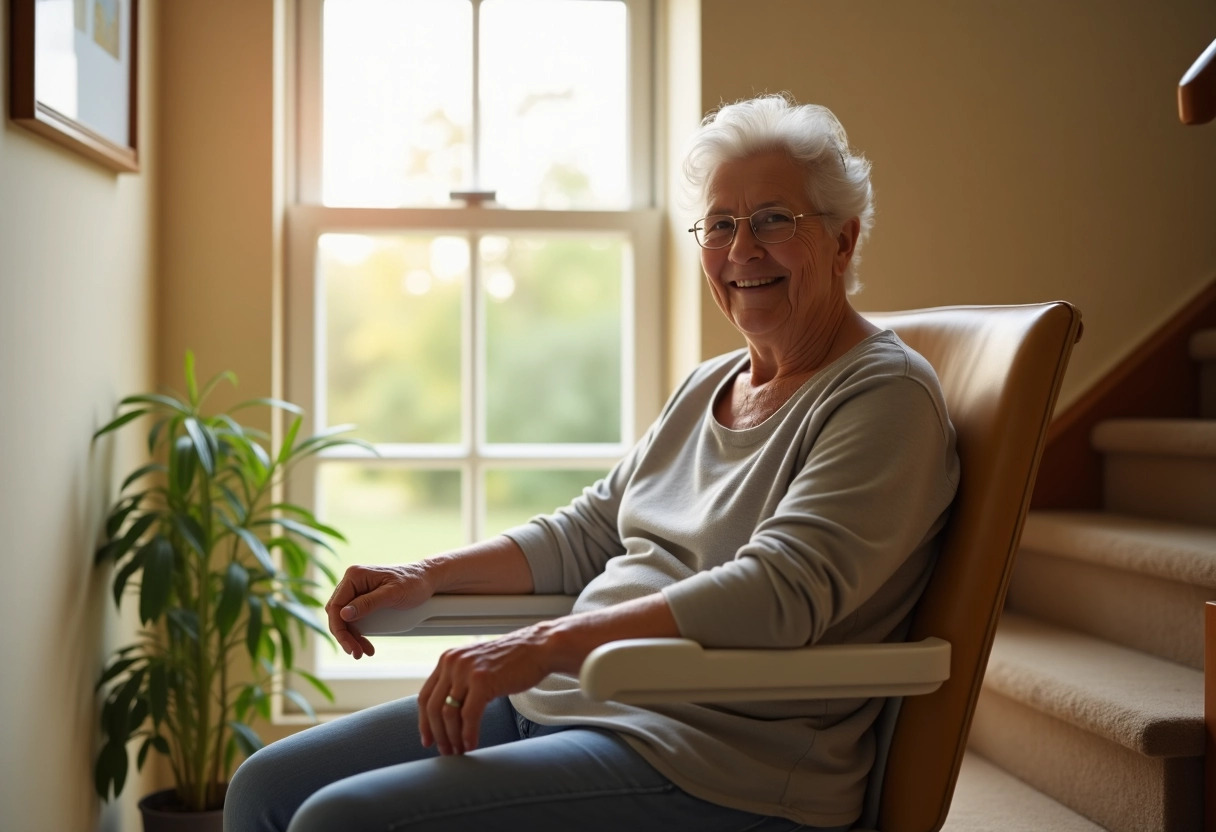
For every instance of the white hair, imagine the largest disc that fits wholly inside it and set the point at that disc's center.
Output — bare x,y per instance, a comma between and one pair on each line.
837,182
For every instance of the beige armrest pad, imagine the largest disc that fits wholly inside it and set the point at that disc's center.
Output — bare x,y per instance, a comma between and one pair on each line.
446,615
679,670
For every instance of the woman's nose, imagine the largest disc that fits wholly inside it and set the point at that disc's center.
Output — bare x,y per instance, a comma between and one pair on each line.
745,247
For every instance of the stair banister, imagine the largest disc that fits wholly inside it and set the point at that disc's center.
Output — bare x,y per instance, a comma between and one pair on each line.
1197,89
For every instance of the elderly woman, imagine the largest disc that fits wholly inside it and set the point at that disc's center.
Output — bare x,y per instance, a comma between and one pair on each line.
790,493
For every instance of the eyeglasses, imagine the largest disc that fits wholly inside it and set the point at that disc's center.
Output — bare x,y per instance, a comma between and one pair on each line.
770,225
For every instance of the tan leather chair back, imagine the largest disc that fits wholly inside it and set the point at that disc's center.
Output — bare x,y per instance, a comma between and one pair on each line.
1001,369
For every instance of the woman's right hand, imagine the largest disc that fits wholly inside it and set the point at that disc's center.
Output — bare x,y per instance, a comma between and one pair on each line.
366,588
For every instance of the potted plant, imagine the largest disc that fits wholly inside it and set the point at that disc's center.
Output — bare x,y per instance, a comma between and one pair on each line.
219,569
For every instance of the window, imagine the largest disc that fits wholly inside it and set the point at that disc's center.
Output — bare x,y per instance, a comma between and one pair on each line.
472,272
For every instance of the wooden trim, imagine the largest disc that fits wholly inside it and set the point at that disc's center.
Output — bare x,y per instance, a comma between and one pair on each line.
1157,380
1197,89
1209,715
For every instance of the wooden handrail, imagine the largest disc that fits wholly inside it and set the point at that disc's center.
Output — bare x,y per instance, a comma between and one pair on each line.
1197,89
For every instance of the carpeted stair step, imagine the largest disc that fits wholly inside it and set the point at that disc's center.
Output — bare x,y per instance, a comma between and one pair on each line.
1160,468
1203,350
1114,734
1137,582
988,799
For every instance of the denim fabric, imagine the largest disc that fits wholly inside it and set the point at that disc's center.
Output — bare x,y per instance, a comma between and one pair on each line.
368,771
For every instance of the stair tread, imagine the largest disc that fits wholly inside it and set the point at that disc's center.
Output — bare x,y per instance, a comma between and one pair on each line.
1174,437
1203,345
1146,704
1175,551
990,799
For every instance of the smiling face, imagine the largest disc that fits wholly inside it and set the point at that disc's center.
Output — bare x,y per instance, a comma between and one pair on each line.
785,296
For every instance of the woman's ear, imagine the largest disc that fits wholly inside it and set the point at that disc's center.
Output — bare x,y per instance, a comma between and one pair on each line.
846,244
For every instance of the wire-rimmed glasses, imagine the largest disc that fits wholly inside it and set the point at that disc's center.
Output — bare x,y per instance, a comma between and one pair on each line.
770,225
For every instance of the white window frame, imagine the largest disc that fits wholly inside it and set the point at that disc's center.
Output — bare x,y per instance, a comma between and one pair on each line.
307,219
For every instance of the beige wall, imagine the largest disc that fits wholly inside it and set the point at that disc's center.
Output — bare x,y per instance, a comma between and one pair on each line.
1023,150
220,251
77,291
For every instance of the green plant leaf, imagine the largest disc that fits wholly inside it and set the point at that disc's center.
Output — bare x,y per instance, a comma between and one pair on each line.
253,631
128,569
269,402
120,421
150,468
111,769
295,559
319,439
182,465
262,460
157,580
191,532
116,668
202,444
289,440
239,514
245,737
158,693
232,598
226,375
304,616
143,753
260,701
321,687
240,705
116,713
138,714
286,649
154,434
256,546
229,754
184,622
299,528
160,399
301,702
308,519
161,744
122,510
292,508
116,549
191,385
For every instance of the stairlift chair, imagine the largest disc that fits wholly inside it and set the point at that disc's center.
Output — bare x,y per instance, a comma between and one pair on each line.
1001,368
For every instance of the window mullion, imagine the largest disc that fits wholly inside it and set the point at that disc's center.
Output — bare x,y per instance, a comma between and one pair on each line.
474,344
476,91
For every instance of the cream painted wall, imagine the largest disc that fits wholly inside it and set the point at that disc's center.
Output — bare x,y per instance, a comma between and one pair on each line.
1023,150
77,292
220,200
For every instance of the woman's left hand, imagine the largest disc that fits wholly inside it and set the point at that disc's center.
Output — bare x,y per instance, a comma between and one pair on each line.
473,675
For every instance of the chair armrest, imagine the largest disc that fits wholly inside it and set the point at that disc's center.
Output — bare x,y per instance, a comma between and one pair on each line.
450,615
651,670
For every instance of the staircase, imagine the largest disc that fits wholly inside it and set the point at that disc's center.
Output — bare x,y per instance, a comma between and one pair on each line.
1091,715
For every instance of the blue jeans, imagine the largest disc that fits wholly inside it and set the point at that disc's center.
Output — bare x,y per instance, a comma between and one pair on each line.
368,771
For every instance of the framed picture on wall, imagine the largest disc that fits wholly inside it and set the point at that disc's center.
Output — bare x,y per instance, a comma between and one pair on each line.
73,75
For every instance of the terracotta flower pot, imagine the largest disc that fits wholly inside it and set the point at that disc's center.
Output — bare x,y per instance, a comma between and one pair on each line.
161,814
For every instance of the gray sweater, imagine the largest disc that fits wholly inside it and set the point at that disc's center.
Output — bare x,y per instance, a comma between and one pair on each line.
817,526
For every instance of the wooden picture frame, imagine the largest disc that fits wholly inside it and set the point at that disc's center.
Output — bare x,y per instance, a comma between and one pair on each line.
73,75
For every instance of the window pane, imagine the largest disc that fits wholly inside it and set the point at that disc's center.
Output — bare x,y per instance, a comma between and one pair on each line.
398,91
389,516
515,496
553,103
553,338
393,334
